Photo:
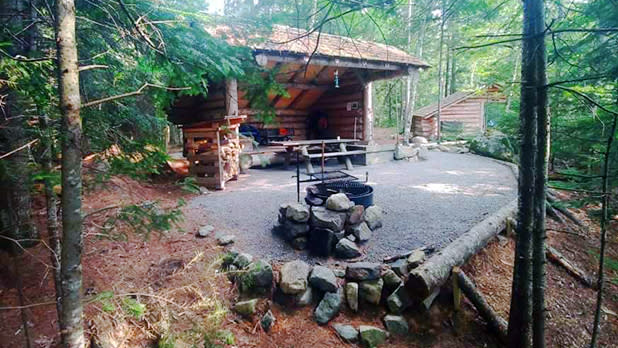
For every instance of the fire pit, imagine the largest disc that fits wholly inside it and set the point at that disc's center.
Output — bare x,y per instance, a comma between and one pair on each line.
358,192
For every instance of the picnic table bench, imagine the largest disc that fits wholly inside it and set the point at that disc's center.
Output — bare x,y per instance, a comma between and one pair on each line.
304,146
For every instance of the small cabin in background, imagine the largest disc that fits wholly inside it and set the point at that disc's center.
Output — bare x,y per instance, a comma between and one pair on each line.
461,113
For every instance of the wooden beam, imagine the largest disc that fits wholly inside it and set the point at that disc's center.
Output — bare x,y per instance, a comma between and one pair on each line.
321,74
296,100
335,62
305,86
368,113
231,97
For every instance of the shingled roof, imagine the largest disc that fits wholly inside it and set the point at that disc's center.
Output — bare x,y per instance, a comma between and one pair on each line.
287,40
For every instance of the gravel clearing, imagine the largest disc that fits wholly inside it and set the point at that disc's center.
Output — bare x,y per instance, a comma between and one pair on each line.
426,203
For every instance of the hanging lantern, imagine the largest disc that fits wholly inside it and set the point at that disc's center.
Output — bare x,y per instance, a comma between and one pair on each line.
337,78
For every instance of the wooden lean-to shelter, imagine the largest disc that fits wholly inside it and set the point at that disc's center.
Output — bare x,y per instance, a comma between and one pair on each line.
461,113
328,79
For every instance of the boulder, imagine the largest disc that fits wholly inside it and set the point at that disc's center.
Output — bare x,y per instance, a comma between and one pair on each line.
242,260
294,277
267,321
370,291
416,258
283,209
299,243
363,271
305,298
399,300
355,215
371,336
338,202
497,145
245,308
205,231
322,278
405,152
328,307
347,249
351,237
418,140
351,295
347,332
373,217
225,239
257,278
396,324
339,273
297,212
292,230
324,218
400,267
322,241
361,232
391,280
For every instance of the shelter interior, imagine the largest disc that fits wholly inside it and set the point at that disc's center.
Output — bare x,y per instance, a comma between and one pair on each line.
326,98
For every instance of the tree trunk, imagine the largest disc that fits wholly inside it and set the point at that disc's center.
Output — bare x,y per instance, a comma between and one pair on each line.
539,235
15,202
520,313
440,44
407,117
596,328
71,318
52,212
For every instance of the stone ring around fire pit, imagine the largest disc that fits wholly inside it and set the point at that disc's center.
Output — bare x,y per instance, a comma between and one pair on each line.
339,227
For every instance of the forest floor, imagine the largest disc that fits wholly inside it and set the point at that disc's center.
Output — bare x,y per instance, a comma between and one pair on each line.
139,290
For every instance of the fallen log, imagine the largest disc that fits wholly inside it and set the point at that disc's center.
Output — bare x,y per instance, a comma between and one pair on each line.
423,280
556,257
564,211
467,287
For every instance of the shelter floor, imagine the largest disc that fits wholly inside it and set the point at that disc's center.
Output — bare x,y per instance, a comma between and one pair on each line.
426,203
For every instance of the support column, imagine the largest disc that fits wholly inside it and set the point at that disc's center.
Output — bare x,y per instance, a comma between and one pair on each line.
231,97
368,112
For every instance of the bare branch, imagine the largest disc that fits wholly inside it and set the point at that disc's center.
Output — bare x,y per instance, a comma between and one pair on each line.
130,94
92,66
18,149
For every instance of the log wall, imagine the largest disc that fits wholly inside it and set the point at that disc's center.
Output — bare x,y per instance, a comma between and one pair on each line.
470,112
291,112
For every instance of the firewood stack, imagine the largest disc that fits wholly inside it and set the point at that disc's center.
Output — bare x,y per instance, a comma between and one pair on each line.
213,150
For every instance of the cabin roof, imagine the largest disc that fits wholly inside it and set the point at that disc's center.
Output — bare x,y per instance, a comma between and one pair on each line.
284,40
488,93
451,99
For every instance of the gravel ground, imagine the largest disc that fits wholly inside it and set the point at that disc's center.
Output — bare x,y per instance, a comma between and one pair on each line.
426,203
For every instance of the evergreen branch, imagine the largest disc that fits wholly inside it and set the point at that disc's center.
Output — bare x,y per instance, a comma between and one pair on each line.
20,58
587,98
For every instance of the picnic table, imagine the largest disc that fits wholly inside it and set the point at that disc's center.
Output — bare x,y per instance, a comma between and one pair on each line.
303,146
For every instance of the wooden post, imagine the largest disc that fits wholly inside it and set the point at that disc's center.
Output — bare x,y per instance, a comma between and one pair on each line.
368,112
231,97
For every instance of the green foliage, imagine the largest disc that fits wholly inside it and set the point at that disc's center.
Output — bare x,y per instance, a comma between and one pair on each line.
142,219
189,184
260,84
219,339
133,307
